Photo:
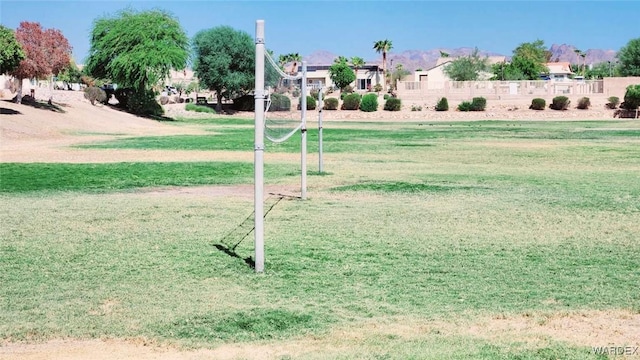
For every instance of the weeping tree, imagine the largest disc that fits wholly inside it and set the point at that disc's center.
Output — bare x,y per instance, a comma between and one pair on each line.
224,61
137,50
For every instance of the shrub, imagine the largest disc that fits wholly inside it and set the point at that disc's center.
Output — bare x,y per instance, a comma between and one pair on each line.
351,102
632,97
295,92
348,89
538,104
199,108
560,103
442,105
144,103
314,93
386,97
464,106
584,103
331,104
244,103
123,95
377,88
94,94
478,104
613,102
140,103
393,104
416,108
311,103
369,103
280,103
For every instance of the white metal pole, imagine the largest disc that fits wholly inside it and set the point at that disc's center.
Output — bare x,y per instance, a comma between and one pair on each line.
320,106
259,150
303,130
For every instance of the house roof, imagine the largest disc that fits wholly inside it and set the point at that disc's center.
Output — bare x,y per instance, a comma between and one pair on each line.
559,68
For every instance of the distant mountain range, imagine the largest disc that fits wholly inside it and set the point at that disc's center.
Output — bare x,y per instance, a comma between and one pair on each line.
426,59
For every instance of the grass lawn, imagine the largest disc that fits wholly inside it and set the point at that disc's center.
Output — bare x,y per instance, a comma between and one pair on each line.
417,234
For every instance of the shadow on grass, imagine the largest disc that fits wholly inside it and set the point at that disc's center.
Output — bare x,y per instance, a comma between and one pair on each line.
119,108
231,252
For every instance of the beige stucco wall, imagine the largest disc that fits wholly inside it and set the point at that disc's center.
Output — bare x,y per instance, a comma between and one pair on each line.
616,86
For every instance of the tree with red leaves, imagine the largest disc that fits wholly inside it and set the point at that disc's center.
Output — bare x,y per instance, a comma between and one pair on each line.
47,53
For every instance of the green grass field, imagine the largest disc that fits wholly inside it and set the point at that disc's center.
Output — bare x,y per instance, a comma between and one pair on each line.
417,233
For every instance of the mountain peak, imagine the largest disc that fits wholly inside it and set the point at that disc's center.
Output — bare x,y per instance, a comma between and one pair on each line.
426,59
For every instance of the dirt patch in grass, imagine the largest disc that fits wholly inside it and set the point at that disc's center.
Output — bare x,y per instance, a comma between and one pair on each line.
581,329
588,328
245,191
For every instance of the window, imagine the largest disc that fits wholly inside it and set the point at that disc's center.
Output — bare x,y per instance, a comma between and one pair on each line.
364,84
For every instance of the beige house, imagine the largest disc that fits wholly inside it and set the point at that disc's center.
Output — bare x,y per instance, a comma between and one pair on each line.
367,77
435,77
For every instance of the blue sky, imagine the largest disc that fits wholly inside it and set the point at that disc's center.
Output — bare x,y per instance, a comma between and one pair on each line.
350,27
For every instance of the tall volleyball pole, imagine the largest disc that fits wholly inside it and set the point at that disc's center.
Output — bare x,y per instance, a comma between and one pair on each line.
258,150
320,107
303,130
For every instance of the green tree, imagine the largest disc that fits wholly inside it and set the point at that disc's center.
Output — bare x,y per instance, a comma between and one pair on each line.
504,71
528,62
599,71
340,59
71,74
357,63
11,52
581,55
467,68
398,74
629,57
383,46
137,50
340,73
224,61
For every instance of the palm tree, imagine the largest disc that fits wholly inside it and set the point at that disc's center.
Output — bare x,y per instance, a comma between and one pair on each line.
295,57
282,61
357,62
397,75
579,54
383,46
340,60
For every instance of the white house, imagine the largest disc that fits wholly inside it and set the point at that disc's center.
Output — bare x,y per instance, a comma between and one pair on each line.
367,77
558,71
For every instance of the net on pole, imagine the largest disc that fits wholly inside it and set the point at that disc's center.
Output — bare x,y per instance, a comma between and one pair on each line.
282,118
